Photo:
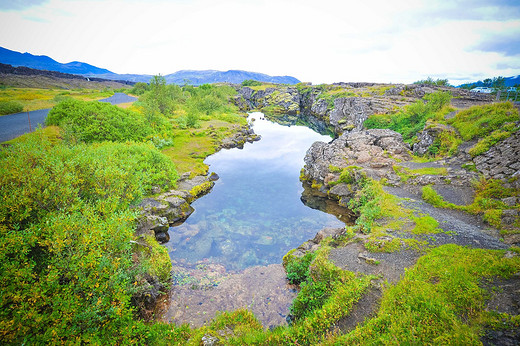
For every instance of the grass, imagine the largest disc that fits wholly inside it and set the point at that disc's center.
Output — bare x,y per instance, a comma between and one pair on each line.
480,121
412,118
487,201
52,133
406,173
383,218
33,99
262,87
439,301
489,124
191,146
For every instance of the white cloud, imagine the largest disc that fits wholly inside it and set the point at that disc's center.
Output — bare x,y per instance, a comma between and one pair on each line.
327,41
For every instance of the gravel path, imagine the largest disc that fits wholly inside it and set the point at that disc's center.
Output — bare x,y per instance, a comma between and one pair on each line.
460,228
14,125
465,229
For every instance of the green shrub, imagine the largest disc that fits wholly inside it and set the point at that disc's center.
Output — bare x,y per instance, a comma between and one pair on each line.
297,268
67,272
38,177
368,204
251,82
139,88
431,81
97,121
10,107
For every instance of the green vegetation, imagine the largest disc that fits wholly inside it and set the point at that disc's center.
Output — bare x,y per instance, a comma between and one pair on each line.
72,270
10,107
412,118
439,301
431,81
66,224
445,144
406,173
251,82
487,202
297,268
96,121
72,267
489,123
32,98
139,89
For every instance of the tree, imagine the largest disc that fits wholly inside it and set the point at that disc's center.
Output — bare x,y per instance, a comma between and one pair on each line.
156,100
499,83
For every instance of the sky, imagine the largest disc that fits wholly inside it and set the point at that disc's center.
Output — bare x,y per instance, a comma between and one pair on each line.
325,41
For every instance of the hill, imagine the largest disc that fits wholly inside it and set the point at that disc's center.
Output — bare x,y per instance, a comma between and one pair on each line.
25,77
194,77
43,62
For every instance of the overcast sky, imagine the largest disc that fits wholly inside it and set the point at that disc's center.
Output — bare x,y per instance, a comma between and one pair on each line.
319,41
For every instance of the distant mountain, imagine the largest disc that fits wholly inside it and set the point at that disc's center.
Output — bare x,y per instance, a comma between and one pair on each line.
231,76
510,81
198,77
9,70
43,62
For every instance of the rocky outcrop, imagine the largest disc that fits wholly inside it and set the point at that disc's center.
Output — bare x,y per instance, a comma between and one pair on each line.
344,106
375,151
428,136
277,100
239,138
158,213
502,161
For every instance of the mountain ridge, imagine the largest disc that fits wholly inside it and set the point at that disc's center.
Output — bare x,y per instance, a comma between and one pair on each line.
194,77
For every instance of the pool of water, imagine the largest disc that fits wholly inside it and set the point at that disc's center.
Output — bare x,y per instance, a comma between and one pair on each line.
255,213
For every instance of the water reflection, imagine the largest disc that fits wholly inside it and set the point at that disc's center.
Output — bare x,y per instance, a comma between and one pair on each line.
303,120
254,214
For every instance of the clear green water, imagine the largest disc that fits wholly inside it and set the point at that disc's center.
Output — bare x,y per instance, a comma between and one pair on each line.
255,213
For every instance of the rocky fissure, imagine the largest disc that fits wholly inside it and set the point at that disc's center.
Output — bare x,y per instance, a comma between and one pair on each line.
345,106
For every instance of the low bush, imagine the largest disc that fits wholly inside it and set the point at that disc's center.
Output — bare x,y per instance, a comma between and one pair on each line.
251,82
10,107
297,268
96,121
67,271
